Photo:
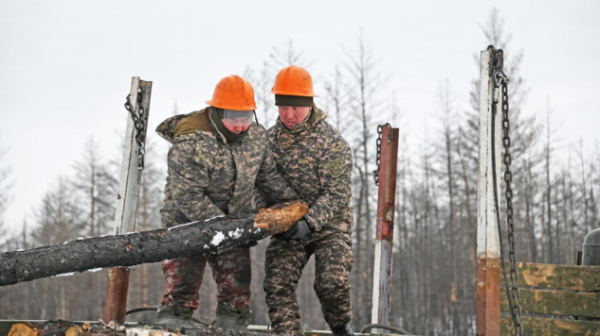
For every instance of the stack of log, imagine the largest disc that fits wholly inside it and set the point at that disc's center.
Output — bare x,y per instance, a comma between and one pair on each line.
67,328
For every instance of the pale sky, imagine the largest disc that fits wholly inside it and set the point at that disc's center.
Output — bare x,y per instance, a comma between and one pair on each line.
66,66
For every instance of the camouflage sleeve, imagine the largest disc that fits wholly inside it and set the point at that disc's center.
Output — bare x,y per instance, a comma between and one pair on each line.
272,187
335,169
188,179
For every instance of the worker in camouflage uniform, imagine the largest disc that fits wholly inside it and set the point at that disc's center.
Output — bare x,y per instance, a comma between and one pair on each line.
217,159
316,162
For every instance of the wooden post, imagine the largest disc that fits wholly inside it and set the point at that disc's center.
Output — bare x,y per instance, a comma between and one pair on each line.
386,200
127,201
489,267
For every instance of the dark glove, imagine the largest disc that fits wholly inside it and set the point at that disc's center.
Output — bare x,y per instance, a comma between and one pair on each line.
299,230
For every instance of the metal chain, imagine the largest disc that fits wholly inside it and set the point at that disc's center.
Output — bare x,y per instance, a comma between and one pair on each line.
508,193
139,122
379,136
501,80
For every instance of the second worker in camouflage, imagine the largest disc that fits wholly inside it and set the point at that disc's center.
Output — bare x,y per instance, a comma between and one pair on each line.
316,162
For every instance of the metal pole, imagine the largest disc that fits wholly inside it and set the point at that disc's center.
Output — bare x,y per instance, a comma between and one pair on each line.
386,200
127,202
489,268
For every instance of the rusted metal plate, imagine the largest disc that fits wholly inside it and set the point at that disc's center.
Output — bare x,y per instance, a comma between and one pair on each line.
386,201
488,296
116,295
538,326
386,197
553,302
583,278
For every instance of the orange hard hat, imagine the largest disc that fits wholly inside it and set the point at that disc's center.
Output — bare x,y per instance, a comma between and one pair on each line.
233,93
293,81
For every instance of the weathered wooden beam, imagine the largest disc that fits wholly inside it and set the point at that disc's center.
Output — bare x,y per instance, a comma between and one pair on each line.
538,326
149,246
129,190
581,278
489,266
553,302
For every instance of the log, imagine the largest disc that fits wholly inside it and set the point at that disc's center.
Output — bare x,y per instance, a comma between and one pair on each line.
132,249
67,328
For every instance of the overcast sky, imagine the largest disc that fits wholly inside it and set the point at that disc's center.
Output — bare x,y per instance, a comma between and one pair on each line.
66,66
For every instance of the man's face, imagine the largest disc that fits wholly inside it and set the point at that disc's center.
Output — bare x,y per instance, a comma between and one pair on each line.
293,115
237,122
237,125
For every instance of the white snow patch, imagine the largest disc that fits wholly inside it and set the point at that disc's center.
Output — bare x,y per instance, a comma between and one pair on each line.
217,239
80,238
20,250
181,225
65,274
206,220
95,270
235,234
206,246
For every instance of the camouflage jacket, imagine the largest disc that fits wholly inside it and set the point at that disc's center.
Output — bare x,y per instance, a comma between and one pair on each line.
317,163
207,177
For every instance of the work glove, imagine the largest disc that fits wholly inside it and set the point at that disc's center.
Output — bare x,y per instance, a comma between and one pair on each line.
299,230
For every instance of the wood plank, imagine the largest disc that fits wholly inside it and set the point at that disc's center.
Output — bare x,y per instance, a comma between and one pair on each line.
553,302
538,326
584,278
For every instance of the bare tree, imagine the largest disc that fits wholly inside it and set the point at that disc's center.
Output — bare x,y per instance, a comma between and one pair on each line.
365,83
5,186
337,101
96,188
287,55
549,149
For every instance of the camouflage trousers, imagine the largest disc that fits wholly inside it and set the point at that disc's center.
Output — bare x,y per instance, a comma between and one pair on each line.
231,271
285,260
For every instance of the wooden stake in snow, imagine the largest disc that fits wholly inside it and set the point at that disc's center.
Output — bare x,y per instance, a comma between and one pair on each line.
138,105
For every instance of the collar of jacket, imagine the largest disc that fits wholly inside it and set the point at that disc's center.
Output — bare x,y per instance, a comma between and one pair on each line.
303,128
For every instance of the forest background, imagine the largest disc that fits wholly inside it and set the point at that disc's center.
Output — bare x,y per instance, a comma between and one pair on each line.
556,182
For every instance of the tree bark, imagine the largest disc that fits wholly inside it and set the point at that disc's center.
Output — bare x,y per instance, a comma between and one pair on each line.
66,328
150,246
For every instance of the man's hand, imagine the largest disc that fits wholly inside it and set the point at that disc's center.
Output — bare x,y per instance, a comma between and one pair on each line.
299,230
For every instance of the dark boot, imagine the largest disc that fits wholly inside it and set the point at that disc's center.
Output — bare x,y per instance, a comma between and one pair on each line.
342,331
175,315
231,318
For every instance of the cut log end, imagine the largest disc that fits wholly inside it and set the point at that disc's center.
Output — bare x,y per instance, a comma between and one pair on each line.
22,329
282,217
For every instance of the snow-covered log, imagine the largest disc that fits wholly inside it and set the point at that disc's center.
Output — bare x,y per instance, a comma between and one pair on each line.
150,246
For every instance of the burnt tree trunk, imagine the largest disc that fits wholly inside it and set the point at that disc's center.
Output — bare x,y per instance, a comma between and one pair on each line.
67,328
149,246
